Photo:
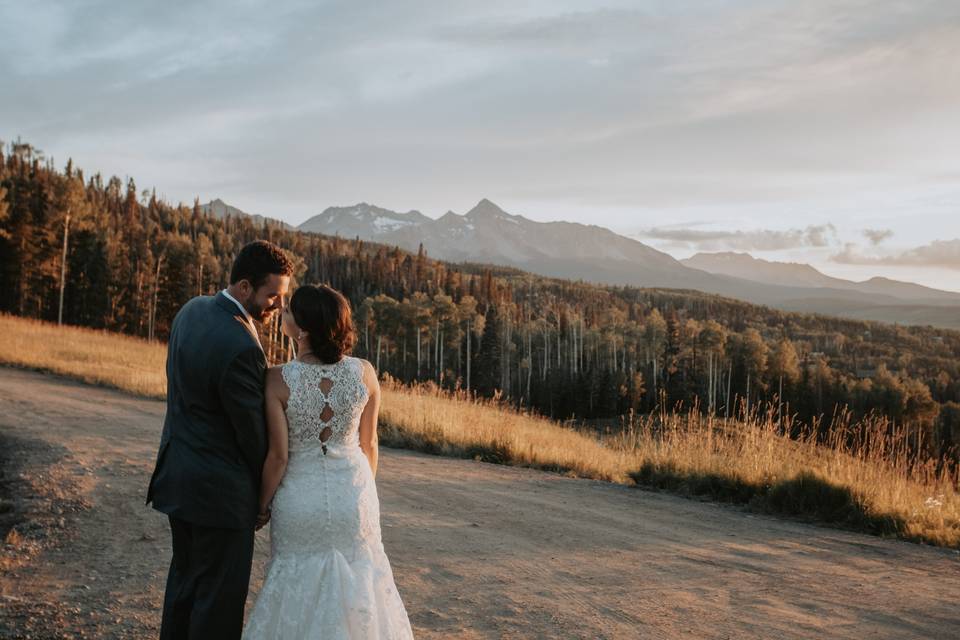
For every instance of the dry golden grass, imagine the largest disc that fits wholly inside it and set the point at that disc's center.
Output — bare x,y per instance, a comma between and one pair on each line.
429,419
861,477
879,490
867,482
94,357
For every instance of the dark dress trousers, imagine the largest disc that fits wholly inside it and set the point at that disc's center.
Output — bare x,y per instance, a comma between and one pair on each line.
207,475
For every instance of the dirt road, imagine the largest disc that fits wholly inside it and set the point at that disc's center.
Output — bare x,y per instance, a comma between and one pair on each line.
478,550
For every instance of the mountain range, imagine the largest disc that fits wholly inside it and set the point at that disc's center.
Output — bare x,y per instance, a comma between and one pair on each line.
220,209
488,234
794,274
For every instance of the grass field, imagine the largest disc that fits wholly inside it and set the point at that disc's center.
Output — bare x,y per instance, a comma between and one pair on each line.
867,482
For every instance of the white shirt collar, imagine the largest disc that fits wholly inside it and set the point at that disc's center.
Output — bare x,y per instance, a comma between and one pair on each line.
253,327
246,314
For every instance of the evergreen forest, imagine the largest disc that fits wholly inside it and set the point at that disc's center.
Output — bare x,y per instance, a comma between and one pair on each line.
92,251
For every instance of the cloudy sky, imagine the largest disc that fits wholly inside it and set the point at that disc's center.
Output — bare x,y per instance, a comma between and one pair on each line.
826,132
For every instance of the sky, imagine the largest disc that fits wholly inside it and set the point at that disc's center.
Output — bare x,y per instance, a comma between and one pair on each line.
820,132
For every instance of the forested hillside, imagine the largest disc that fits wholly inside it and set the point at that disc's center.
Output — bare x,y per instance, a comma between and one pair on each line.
99,253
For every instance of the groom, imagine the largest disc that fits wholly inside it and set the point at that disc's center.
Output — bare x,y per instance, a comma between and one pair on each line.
214,441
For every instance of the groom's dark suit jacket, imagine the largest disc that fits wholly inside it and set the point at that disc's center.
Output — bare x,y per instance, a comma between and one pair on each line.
214,437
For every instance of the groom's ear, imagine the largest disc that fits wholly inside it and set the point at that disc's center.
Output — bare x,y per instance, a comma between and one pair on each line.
245,287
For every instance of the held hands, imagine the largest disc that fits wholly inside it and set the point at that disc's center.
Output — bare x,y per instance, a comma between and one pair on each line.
262,519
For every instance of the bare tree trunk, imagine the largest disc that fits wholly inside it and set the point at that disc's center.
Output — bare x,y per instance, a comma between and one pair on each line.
748,397
520,372
559,349
22,306
63,266
780,401
505,375
655,377
580,352
529,364
710,383
469,340
436,352
418,353
138,300
153,306
546,356
726,405
573,349
819,391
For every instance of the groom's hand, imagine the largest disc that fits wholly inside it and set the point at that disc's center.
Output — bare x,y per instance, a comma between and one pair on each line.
262,519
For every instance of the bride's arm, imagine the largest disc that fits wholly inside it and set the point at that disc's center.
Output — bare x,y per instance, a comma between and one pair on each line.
276,396
368,419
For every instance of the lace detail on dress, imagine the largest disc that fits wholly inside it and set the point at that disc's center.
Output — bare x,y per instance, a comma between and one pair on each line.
328,575
325,403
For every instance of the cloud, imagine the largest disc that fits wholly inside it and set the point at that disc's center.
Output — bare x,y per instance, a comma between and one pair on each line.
823,235
877,236
655,105
939,253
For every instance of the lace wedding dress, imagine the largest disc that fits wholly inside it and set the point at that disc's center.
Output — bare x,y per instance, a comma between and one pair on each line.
328,575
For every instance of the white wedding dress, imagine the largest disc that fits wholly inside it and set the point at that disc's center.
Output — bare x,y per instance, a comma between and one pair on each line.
328,576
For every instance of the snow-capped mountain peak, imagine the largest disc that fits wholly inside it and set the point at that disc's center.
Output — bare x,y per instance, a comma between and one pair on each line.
487,233
486,210
362,219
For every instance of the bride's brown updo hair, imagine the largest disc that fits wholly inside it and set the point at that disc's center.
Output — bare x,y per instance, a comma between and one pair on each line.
325,315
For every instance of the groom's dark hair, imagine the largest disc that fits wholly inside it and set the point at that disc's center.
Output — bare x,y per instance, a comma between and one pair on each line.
257,260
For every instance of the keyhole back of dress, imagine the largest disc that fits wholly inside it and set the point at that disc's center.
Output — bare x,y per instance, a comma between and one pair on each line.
326,415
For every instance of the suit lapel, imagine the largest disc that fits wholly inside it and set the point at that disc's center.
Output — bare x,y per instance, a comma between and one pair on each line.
228,305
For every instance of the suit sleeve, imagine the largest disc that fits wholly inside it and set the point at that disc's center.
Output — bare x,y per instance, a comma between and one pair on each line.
242,395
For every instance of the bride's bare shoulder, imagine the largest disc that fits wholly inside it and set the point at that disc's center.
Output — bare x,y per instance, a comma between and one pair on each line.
275,382
365,365
367,372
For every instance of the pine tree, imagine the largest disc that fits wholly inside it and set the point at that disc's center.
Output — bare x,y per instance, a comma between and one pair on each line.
488,355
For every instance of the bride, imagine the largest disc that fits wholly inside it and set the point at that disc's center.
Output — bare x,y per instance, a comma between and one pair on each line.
328,575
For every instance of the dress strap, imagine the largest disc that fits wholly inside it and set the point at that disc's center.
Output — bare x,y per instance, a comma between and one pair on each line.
290,372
